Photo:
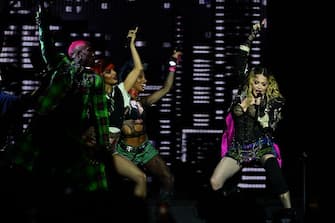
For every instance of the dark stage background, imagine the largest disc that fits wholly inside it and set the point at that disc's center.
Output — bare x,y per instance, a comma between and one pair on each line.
187,124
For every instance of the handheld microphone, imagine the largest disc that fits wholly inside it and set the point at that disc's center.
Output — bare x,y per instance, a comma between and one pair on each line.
258,98
262,105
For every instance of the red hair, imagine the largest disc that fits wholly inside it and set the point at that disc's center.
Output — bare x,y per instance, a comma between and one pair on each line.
102,66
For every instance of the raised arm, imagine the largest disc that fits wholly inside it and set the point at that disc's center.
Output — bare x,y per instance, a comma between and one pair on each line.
48,50
243,56
174,61
138,67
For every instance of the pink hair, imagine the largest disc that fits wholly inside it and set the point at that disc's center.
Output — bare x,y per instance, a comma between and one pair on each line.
75,45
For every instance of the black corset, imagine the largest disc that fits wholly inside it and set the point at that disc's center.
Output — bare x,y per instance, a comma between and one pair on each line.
247,128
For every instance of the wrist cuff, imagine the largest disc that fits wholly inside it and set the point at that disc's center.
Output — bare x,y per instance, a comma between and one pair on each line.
172,64
172,68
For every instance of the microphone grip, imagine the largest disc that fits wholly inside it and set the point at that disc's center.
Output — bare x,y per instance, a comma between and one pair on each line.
261,111
261,108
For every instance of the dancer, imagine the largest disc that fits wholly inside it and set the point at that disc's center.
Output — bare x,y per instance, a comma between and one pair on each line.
74,99
134,143
118,104
256,111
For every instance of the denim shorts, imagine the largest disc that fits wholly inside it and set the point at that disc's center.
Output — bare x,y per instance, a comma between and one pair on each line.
139,155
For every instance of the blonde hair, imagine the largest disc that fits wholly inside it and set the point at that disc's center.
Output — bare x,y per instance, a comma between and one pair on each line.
272,90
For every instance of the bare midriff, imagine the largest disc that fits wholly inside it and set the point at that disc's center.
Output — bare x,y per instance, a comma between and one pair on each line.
133,132
136,140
